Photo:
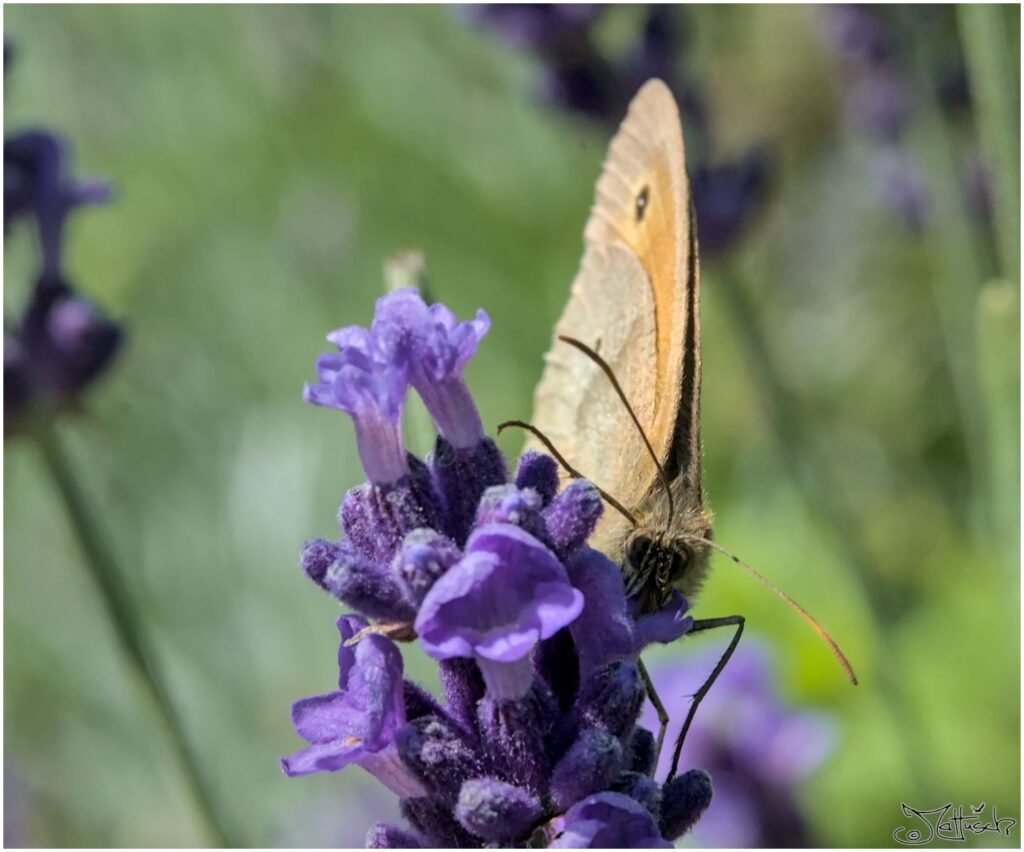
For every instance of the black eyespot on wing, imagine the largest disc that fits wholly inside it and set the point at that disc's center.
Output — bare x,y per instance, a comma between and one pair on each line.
641,203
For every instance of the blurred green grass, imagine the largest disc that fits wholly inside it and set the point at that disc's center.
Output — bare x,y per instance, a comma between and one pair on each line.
266,161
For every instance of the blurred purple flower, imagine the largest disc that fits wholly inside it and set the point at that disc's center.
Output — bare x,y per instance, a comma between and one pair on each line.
579,78
494,579
37,186
756,750
900,183
62,343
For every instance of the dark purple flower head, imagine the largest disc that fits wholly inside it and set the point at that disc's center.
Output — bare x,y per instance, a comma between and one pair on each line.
538,26
440,347
506,594
367,379
607,821
857,34
727,196
535,639
63,344
358,723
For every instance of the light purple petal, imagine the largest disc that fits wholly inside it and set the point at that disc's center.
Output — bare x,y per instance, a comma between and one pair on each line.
664,626
505,594
610,821
322,757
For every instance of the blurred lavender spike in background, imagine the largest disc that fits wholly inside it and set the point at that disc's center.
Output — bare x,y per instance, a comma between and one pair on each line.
580,79
62,342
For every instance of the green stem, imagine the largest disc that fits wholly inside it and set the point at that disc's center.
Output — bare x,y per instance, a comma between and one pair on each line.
958,268
993,76
102,565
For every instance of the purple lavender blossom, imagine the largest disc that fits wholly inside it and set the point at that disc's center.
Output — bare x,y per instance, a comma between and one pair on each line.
366,379
878,103
37,186
755,748
505,595
358,723
536,734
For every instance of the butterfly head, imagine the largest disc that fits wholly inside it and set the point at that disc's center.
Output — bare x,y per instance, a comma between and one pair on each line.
655,563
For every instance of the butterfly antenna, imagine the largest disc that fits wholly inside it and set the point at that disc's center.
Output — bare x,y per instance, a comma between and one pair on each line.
597,359
803,613
575,474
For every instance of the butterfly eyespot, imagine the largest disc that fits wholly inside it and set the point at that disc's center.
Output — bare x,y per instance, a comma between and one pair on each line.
641,202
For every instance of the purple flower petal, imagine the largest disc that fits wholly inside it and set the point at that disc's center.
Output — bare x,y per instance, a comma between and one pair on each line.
607,820
603,632
440,347
507,593
666,625
367,379
358,723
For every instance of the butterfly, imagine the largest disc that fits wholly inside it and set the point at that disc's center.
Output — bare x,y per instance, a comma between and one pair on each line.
634,312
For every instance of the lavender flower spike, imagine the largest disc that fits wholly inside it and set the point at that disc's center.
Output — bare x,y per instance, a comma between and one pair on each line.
367,379
440,347
505,595
358,723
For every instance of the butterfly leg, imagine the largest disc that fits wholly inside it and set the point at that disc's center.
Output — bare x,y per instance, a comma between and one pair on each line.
659,708
736,621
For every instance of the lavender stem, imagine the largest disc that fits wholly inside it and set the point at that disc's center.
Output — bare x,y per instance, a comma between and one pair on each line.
985,33
102,565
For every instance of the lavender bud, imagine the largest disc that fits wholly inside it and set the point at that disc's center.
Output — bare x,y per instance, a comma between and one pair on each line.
461,475
512,734
378,516
684,800
611,698
366,586
384,836
572,515
588,767
433,818
436,751
496,811
463,687
418,702
538,472
318,556
506,504
641,788
641,751
424,556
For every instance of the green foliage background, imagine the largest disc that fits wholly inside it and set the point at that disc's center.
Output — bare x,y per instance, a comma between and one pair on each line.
265,162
